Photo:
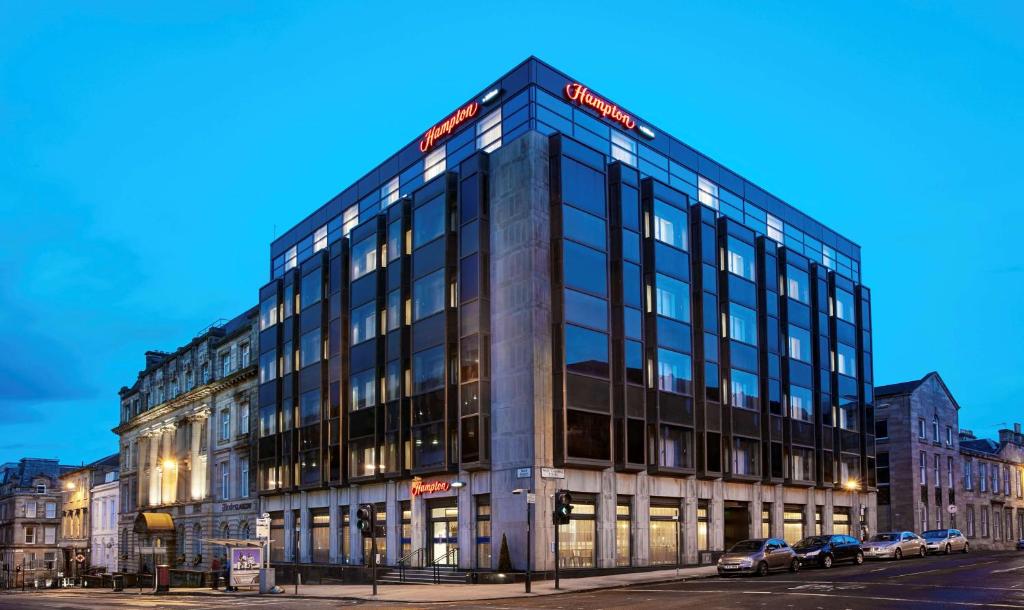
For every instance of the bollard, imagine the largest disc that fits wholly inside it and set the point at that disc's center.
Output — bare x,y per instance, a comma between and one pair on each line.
298,581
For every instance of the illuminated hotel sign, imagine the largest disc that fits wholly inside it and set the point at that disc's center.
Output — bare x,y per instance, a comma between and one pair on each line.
447,126
429,487
576,92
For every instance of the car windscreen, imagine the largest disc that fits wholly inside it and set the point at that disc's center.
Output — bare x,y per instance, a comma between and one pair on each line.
934,534
885,538
814,541
746,546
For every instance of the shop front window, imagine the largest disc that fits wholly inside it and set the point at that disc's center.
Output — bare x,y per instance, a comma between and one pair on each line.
793,523
483,532
577,538
623,533
664,534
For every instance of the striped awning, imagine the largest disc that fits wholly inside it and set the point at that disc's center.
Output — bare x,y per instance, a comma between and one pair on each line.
149,523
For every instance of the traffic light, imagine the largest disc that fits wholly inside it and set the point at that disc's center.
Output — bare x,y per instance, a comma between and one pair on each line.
563,507
364,520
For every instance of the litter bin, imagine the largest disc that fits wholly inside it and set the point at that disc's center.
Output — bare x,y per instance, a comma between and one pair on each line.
163,578
118,581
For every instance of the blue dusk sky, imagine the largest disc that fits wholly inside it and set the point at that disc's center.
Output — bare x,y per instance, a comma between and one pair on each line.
149,153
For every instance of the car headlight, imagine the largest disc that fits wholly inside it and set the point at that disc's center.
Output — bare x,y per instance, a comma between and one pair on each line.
746,563
812,553
720,561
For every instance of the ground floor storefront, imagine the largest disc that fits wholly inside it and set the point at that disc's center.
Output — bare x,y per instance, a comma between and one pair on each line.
478,521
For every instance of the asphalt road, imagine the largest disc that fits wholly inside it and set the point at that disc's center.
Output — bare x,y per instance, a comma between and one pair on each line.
991,580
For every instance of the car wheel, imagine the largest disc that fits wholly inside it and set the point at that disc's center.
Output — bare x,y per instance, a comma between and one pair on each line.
826,561
947,548
794,566
762,569
967,548
859,559
922,553
898,554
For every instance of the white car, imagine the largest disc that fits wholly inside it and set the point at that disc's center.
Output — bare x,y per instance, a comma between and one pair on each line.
894,545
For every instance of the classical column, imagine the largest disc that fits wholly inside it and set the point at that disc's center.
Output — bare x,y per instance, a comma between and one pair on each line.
198,459
170,467
153,438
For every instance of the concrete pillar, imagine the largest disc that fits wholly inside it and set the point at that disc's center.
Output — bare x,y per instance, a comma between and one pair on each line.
355,539
755,511
716,520
809,512
305,531
778,511
606,502
827,523
642,520
334,517
418,506
393,525
690,522
289,529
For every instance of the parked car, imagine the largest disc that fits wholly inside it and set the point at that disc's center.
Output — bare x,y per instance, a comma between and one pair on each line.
893,545
945,541
1020,544
758,556
823,551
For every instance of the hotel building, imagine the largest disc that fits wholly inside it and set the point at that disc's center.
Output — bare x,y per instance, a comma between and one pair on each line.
545,291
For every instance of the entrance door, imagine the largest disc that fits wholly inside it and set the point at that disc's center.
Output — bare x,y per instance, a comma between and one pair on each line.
444,532
737,523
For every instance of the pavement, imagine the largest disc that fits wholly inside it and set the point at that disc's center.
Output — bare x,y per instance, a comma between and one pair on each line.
990,580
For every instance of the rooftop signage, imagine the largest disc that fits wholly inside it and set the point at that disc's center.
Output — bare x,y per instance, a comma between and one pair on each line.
576,92
447,126
429,487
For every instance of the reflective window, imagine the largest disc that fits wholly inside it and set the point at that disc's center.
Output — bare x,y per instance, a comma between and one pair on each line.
394,240
364,257
488,131
434,163
846,360
585,268
802,468
742,324
586,351
364,389
745,456
797,284
799,343
844,305
364,323
268,312
393,382
801,403
583,227
394,309
744,389
672,298
428,295
741,258
707,193
428,370
634,362
310,348
428,222
675,372
268,366
585,309
312,288
623,148
669,225
309,407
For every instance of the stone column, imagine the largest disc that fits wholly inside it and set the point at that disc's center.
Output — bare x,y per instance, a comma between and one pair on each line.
809,522
153,438
305,531
779,512
755,511
355,539
394,525
716,520
334,518
418,507
641,520
467,518
198,466
690,522
606,501
827,523
289,529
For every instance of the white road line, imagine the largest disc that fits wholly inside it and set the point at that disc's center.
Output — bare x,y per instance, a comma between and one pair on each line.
845,594
1008,570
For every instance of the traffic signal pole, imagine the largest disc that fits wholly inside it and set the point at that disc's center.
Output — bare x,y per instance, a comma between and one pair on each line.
556,552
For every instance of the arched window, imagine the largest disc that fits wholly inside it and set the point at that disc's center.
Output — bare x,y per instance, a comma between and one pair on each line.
123,543
243,530
197,541
225,530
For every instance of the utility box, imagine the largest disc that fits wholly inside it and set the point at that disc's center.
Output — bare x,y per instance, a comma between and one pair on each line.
163,579
267,580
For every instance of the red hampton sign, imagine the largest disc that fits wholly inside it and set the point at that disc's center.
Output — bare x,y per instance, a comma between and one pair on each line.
576,92
447,126
429,487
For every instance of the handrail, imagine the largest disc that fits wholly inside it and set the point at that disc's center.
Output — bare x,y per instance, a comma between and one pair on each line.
444,558
402,563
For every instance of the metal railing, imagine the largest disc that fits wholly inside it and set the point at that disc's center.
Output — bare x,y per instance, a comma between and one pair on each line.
444,561
415,558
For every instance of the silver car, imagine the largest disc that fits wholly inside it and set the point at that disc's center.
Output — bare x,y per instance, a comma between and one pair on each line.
758,556
945,541
894,545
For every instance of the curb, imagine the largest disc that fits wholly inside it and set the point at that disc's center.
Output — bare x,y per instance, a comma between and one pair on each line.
370,598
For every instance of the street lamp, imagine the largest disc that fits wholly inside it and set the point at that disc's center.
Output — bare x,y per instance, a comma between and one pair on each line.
529,528
853,486
457,486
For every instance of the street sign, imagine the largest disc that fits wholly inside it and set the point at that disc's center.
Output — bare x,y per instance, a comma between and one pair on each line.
552,473
531,498
952,509
265,515
523,473
262,528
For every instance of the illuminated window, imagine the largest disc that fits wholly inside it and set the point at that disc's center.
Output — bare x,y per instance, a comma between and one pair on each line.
846,360
434,163
488,132
623,533
708,192
799,344
623,148
775,228
349,219
800,404
669,225
364,389
364,257
793,523
320,239
744,389
291,258
389,192
742,324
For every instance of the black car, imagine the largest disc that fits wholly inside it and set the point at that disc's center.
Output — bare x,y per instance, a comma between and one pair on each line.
826,550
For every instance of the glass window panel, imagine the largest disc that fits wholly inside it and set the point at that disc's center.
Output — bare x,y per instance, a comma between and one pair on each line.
583,227
428,295
428,370
364,389
741,258
364,323
669,225
585,309
428,221
797,284
846,360
586,351
801,403
672,298
310,348
585,268
744,389
675,372
364,257
799,343
742,324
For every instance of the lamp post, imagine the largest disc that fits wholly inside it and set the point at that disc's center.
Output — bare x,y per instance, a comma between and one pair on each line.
853,486
529,532
457,486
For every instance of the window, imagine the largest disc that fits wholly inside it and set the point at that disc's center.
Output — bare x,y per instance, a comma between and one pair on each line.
363,258
311,290
30,534
741,258
428,295
949,472
675,372
664,535
672,298
623,148
922,468
584,268
623,533
310,348
802,464
935,430
799,344
244,355
51,510
225,369
920,428
243,419
268,366
585,309
434,163
744,389
583,227
364,323
578,537
389,192
586,351
982,476
349,219
801,404
968,473
669,225
797,284
949,436
970,521
268,312
707,192
742,324
766,519
225,483
243,481
745,456
309,407
676,447
881,429
702,525
935,470
846,360
793,523
844,305
488,132
428,370
30,509
320,535
428,221
320,239
364,385
483,529
225,425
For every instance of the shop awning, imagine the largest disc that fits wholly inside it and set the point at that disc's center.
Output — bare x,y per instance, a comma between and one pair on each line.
234,542
149,523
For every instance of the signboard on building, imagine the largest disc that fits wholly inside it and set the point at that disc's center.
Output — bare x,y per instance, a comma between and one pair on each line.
429,487
447,126
245,566
952,509
235,506
524,473
552,473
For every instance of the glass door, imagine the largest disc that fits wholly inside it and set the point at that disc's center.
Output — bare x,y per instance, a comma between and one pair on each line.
444,535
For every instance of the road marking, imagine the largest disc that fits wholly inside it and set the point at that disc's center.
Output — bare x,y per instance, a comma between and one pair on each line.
1008,570
868,597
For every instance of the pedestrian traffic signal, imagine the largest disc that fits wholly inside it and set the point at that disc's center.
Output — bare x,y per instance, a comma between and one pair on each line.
364,520
563,507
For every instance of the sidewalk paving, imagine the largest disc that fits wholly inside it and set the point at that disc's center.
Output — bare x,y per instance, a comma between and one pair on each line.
465,593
